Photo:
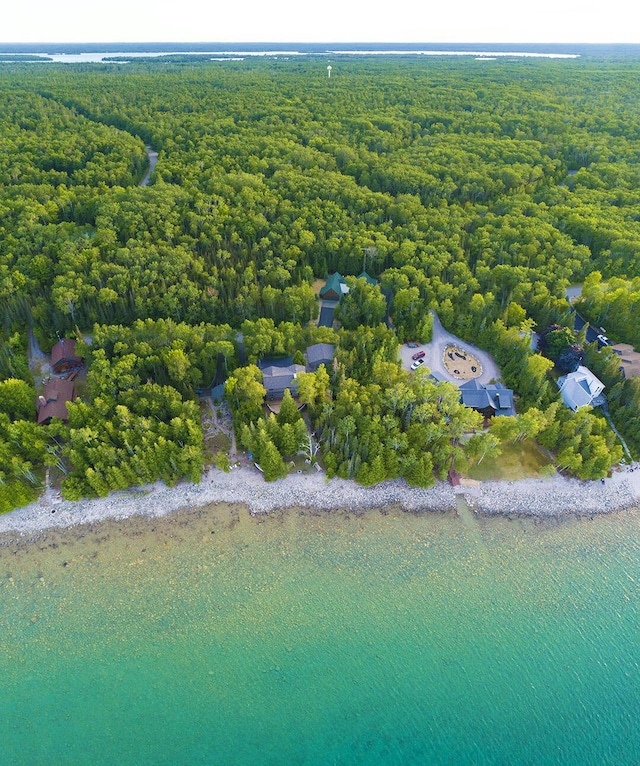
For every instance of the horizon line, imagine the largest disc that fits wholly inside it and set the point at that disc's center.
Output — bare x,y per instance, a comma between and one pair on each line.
305,42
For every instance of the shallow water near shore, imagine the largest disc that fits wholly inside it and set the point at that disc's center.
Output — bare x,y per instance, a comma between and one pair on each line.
215,637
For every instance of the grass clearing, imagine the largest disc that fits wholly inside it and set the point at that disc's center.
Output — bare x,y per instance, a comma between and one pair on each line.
522,460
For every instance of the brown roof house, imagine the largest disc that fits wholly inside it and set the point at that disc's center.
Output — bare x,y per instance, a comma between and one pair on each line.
53,403
64,357
629,359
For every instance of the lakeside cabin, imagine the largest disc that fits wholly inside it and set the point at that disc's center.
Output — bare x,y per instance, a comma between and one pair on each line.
277,379
490,400
278,375
64,357
581,389
53,402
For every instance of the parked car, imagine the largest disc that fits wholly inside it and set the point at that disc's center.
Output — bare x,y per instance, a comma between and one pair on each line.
417,364
412,345
419,355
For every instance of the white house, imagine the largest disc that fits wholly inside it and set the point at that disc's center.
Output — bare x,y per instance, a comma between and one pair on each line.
579,388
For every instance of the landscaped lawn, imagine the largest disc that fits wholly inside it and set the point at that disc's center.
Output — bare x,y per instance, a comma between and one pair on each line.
518,461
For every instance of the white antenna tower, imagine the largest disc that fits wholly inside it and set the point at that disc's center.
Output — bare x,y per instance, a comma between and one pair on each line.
329,71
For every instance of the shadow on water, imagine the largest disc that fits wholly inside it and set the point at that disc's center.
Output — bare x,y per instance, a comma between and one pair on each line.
470,523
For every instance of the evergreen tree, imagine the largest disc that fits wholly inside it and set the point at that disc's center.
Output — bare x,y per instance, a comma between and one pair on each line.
288,410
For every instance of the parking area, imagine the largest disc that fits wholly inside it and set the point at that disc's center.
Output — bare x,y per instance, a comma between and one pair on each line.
434,356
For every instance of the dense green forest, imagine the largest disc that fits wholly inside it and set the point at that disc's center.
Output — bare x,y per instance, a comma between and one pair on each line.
478,189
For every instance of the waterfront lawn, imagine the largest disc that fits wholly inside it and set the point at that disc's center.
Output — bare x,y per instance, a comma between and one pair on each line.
521,460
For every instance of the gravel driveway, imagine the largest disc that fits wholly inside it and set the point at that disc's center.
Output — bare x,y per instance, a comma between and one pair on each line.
434,352
39,362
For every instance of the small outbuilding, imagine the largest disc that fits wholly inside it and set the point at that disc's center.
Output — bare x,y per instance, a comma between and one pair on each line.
368,278
326,315
64,357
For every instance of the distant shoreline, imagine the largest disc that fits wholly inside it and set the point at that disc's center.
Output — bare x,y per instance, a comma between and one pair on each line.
553,497
91,51
233,54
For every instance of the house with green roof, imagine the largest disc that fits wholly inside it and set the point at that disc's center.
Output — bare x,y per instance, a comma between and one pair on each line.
334,289
368,277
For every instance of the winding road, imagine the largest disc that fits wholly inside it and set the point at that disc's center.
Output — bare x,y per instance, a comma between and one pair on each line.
153,161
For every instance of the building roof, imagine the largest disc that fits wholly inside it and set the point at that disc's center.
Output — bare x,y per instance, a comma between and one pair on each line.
592,334
579,388
368,277
335,284
629,359
277,379
64,351
320,353
491,396
454,477
326,316
275,361
279,372
53,402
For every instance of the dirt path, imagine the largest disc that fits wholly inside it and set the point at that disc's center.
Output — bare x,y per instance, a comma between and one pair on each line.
212,423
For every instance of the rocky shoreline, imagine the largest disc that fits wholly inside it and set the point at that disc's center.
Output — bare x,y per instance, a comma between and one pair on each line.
549,497
556,496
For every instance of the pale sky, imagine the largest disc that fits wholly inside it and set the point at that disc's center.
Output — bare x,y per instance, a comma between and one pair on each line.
580,21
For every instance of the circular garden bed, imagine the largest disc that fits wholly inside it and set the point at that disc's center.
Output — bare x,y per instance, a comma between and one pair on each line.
461,364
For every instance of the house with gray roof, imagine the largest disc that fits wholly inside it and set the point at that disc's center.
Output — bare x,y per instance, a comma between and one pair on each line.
280,374
490,400
319,353
277,379
581,389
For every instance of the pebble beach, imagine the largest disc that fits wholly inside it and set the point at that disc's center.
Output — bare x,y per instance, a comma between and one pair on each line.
543,498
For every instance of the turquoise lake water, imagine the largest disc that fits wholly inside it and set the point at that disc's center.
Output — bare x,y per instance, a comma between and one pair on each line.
212,637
